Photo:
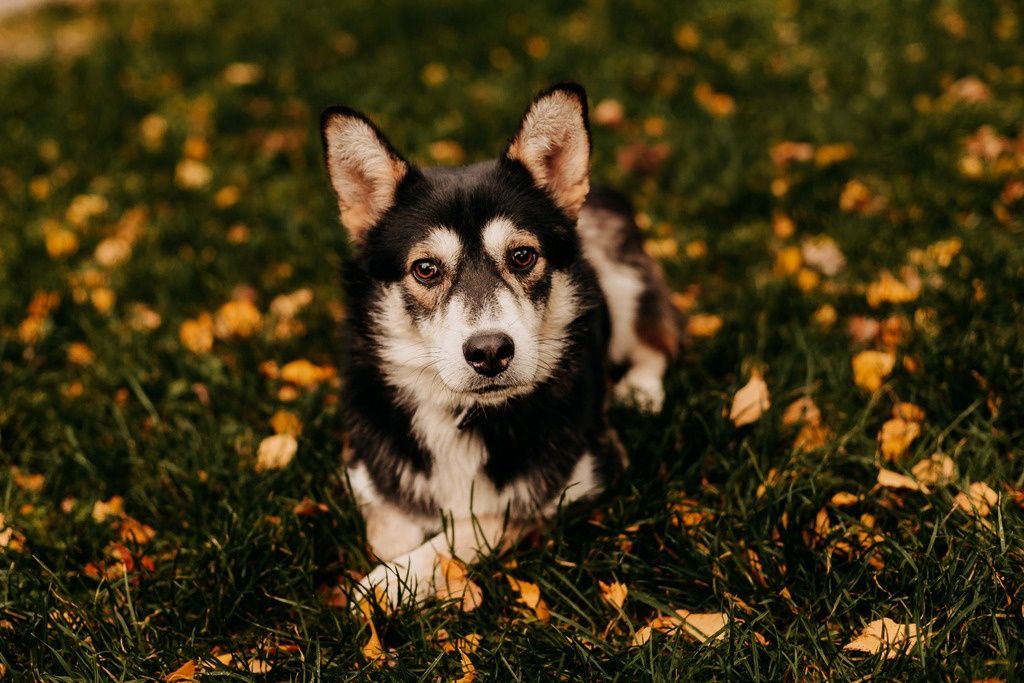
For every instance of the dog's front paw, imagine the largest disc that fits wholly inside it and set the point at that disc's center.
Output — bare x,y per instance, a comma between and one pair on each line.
409,579
642,389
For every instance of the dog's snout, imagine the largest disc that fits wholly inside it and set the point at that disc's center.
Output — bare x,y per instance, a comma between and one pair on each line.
489,353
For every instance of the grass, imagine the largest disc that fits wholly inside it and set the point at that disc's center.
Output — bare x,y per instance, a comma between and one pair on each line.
101,405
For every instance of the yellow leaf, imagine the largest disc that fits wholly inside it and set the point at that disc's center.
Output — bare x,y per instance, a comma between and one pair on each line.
938,468
197,334
61,243
871,367
978,499
275,452
702,626
238,318
896,437
80,354
457,585
703,325
802,410
888,289
259,666
305,374
885,635
609,113
286,422
844,498
102,509
183,674
895,480
613,593
468,670
750,401
812,436
529,595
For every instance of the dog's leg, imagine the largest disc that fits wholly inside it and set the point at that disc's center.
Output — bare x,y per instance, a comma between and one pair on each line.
642,384
418,572
390,532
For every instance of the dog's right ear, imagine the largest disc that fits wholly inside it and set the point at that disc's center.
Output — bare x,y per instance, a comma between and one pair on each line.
365,169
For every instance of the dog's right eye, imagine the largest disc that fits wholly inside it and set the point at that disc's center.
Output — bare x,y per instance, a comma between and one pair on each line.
426,271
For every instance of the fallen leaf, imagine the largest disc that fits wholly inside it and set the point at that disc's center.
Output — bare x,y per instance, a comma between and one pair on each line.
239,318
197,334
275,452
457,585
844,498
609,112
613,593
703,325
305,374
885,635
908,412
259,666
286,422
896,437
186,673
468,670
871,367
823,253
102,509
938,468
978,499
895,480
529,595
811,437
750,401
803,410
888,289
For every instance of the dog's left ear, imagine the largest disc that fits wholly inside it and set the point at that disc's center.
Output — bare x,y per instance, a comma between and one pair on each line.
365,169
553,144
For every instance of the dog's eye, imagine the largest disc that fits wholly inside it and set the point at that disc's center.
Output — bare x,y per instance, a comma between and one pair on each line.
522,259
426,271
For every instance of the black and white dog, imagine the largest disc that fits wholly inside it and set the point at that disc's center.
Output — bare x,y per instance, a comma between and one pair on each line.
491,309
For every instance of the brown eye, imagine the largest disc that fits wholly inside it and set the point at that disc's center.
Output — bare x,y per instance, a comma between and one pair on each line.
522,259
426,271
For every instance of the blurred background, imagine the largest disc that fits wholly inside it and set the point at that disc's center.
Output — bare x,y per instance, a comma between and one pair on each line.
817,179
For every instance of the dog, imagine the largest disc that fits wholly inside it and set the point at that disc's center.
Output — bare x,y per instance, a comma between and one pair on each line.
494,310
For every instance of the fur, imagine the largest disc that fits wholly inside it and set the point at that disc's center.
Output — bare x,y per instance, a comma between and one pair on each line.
490,306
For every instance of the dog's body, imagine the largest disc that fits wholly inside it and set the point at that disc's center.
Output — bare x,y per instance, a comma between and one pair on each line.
490,307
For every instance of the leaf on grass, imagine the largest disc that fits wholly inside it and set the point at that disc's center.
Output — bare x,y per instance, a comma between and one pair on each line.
103,509
844,498
613,593
896,437
823,253
197,334
183,674
468,670
286,422
305,374
801,411
978,499
908,412
457,585
700,626
750,401
276,452
703,325
529,595
938,468
238,318
871,367
895,480
258,666
885,635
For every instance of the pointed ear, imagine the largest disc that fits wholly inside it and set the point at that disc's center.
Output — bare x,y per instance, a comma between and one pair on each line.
553,143
365,169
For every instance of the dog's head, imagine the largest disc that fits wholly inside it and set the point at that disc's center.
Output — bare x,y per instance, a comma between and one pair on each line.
469,270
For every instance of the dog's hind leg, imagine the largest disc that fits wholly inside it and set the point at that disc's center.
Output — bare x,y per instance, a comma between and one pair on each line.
644,329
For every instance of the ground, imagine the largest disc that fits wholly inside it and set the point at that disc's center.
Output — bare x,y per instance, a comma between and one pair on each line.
835,191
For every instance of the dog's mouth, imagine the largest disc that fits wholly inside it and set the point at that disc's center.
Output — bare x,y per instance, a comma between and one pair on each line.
491,388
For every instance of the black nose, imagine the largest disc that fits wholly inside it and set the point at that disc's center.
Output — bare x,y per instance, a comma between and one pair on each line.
489,353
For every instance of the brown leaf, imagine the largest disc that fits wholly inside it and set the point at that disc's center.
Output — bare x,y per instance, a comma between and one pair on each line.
885,635
750,401
613,593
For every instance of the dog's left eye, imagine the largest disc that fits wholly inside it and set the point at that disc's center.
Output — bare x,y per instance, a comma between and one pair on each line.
522,259
426,270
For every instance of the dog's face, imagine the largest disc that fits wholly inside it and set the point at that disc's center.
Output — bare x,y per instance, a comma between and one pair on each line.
468,271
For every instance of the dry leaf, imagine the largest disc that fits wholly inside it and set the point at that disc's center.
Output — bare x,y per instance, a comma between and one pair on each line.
871,367
239,318
703,325
896,437
812,437
468,670
183,674
909,412
102,509
613,593
276,452
286,422
938,468
197,334
844,498
305,374
457,585
885,635
259,666
895,480
802,410
529,595
823,253
978,499
750,401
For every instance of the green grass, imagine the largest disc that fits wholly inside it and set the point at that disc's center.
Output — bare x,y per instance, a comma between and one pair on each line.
234,569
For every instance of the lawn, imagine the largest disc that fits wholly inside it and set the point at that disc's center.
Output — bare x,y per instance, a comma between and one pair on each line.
835,189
